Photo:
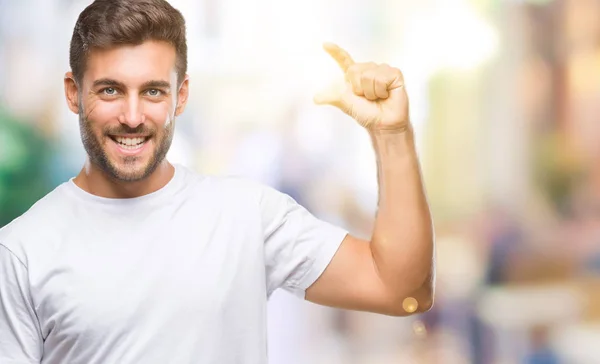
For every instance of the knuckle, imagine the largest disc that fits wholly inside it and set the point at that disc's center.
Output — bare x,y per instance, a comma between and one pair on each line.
357,90
368,75
380,82
384,67
397,72
355,80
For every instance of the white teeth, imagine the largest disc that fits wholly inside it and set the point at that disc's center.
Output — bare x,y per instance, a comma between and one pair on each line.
131,147
130,142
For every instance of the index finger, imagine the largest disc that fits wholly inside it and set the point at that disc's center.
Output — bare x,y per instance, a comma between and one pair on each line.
343,59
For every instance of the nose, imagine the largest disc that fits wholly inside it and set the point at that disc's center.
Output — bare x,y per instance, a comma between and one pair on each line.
132,114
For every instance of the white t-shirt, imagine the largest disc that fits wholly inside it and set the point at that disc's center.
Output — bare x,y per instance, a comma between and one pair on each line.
181,275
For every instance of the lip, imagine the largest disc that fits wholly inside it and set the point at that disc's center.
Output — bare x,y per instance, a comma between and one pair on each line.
130,152
130,136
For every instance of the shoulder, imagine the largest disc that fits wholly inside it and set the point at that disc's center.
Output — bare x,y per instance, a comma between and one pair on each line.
231,187
45,215
242,193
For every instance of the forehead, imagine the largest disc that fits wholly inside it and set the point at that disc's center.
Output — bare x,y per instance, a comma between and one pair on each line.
132,64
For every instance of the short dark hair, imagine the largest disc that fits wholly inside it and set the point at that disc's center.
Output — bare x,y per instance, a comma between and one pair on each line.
109,23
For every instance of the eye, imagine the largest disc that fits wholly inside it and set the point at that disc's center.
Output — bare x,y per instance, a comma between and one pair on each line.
110,91
154,92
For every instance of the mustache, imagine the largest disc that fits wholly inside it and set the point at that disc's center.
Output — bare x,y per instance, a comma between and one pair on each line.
123,130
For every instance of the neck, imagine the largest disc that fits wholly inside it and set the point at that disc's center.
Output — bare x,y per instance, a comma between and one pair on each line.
97,182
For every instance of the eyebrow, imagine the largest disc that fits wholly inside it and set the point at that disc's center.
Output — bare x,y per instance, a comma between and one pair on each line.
107,82
156,84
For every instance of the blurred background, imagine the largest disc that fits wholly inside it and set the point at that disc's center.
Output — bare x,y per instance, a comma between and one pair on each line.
505,99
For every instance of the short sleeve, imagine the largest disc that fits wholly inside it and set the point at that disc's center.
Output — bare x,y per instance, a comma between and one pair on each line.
20,336
298,246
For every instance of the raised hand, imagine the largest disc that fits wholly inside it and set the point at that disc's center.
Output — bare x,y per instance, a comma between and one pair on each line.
374,94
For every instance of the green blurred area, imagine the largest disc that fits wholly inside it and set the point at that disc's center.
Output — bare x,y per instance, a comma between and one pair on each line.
24,160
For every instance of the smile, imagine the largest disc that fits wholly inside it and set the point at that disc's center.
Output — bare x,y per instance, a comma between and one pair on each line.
130,144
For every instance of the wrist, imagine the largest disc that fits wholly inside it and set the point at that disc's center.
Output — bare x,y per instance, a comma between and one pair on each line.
400,130
384,139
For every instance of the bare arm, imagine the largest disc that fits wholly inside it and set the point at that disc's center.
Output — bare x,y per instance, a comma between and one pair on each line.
394,272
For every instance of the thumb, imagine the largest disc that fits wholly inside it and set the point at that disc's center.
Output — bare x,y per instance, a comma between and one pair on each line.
332,95
326,98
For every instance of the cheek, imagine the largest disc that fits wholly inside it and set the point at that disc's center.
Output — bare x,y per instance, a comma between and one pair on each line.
100,113
160,113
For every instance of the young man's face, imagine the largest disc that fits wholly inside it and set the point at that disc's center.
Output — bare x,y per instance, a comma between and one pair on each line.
127,103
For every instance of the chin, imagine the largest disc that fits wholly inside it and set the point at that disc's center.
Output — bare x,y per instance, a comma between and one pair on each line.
131,170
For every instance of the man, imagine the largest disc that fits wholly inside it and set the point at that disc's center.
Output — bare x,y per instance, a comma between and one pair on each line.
136,260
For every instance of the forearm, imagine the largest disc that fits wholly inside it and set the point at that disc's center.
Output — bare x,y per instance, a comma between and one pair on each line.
403,240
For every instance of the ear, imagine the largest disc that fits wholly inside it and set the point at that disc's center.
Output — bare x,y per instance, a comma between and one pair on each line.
71,92
182,95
